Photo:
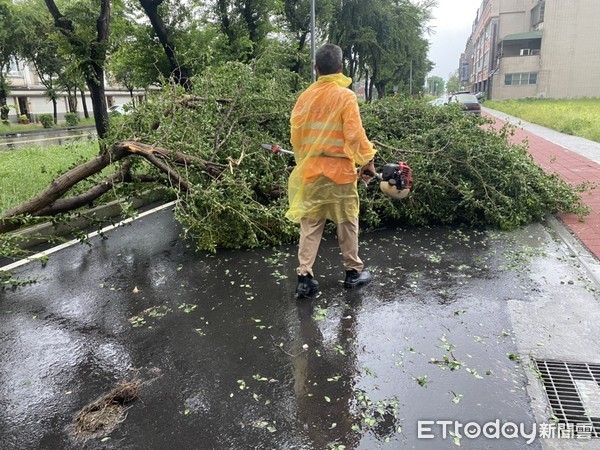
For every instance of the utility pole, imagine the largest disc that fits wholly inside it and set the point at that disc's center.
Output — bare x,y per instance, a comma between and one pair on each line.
312,40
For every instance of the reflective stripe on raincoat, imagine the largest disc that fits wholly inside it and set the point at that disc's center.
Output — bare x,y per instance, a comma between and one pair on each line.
328,141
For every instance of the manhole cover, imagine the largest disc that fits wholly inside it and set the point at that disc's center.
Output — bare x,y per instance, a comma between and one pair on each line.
573,390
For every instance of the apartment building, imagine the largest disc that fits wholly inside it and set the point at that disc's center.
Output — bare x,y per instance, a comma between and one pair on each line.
533,48
28,96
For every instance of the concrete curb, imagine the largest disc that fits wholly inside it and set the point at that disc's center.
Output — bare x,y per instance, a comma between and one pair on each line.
44,232
585,257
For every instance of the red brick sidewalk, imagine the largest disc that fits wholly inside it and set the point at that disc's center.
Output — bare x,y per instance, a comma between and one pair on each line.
575,169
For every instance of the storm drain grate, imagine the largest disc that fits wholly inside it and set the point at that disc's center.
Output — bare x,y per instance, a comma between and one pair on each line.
573,390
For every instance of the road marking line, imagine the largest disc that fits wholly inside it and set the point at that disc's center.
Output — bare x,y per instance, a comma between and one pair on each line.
39,255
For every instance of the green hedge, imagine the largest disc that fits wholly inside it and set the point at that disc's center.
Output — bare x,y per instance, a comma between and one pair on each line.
72,119
47,120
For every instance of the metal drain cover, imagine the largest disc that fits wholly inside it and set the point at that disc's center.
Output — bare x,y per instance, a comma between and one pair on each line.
573,390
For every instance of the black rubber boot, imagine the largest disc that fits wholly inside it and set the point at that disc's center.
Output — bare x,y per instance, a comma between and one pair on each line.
307,286
355,279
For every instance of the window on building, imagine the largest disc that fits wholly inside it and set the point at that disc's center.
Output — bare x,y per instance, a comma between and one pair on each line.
14,70
533,78
516,79
537,14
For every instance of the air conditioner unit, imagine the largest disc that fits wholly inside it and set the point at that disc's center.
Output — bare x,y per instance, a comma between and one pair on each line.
535,51
525,52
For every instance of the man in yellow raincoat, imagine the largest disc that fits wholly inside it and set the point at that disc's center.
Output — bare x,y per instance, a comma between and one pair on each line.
329,141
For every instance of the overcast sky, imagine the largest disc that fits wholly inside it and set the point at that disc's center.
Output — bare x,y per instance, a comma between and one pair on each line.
452,23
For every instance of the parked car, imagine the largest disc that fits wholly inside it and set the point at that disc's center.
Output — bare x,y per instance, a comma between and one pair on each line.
120,109
440,101
469,102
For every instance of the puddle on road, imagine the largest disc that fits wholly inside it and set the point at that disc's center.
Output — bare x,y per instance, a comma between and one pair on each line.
244,365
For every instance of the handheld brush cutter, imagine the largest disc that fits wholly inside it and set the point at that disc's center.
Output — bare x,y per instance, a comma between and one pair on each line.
395,180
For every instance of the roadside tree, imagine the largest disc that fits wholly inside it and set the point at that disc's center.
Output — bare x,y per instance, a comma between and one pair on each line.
383,41
453,85
10,36
85,30
435,86
246,24
39,47
296,22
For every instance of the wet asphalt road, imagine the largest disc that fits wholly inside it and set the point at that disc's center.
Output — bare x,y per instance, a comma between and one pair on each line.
46,137
230,360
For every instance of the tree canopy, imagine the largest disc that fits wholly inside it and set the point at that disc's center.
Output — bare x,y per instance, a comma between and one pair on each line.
435,86
11,33
384,40
453,84
40,49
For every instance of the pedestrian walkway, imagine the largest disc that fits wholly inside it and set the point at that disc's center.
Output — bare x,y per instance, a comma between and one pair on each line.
576,159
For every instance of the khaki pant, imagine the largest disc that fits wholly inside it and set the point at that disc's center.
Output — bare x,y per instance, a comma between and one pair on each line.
311,232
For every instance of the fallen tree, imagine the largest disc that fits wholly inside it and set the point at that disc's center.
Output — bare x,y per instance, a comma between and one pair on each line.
467,170
205,147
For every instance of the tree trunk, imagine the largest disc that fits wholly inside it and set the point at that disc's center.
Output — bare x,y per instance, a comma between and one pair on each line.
225,23
69,204
72,100
180,72
380,86
86,113
55,110
49,201
3,108
63,183
4,91
299,49
371,85
350,64
95,85
249,17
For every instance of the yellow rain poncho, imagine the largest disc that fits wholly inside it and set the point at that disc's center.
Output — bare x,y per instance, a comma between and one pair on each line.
329,141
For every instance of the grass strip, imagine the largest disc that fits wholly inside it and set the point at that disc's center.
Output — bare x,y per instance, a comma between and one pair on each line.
20,128
26,171
577,117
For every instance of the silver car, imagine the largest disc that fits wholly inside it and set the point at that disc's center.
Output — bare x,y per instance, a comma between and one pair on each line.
469,102
440,101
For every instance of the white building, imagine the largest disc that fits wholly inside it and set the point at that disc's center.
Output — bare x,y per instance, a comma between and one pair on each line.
28,98
534,48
